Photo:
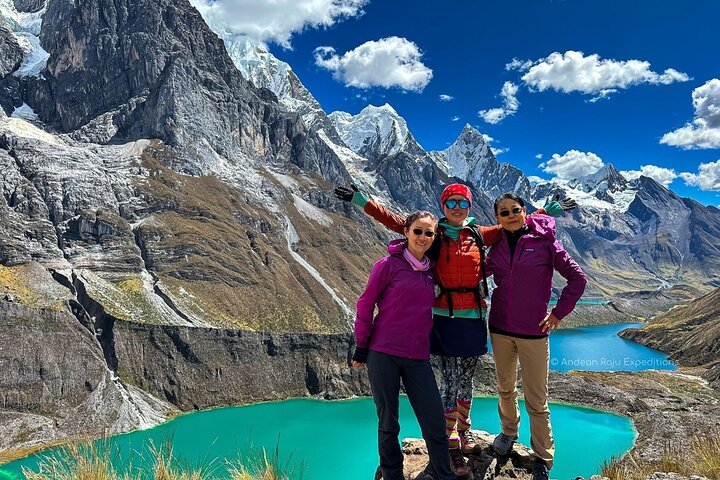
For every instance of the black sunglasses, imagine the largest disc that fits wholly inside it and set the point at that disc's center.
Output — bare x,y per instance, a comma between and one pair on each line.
452,203
506,213
419,231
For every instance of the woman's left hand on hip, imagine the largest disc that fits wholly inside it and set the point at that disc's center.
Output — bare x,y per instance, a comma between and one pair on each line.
549,323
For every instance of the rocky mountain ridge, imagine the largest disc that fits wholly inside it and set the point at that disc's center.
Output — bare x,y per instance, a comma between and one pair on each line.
689,333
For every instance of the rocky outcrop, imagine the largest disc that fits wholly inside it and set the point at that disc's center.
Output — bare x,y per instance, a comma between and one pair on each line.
55,381
482,464
29,6
11,54
11,57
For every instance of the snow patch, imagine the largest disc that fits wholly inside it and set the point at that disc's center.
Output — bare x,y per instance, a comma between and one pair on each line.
587,200
311,212
26,29
292,238
24,129
25,112
35,60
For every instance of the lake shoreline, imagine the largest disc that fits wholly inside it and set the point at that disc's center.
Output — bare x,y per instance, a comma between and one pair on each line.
661,404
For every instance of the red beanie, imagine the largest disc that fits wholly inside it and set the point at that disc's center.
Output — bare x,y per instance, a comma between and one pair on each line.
455,189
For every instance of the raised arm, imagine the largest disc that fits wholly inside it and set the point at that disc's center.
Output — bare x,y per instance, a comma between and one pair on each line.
554,207
390,219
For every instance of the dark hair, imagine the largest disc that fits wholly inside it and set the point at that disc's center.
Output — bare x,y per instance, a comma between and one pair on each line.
507,196
418,214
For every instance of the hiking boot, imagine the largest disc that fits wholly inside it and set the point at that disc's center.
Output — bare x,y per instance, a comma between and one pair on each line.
503,444
540,470
457,462
468,442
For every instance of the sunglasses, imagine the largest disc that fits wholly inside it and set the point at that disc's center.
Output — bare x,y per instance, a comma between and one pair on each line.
506,213
419,231
453,203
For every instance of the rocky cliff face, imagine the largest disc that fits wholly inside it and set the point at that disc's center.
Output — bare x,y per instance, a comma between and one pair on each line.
117,220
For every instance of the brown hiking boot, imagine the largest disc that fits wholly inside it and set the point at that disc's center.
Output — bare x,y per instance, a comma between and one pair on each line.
468,442
457,462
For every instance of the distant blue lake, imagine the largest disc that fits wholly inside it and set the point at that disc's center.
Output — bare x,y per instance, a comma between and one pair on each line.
337,440
600,349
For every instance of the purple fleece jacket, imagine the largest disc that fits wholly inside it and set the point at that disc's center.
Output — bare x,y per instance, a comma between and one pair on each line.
404,298
520,301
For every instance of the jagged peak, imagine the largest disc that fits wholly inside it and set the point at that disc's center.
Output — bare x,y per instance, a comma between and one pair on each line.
607,173
469,129
385,108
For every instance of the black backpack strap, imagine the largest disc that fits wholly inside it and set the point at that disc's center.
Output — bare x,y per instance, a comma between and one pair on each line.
481,246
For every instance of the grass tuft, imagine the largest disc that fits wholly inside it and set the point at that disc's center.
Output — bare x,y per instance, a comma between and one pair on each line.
86,460
700,457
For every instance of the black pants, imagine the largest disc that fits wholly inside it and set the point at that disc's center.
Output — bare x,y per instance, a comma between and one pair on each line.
385,372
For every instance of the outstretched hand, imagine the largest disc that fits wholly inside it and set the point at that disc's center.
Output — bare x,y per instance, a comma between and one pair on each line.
566,203
346,194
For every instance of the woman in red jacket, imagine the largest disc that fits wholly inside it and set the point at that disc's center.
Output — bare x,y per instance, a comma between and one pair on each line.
459,334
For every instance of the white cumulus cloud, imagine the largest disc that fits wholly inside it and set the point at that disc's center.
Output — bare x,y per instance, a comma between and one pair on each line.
455,118
707,178
446,98
664,176
704,131
538,156
572,164
510,105
572,71
534,179
388,62
277,20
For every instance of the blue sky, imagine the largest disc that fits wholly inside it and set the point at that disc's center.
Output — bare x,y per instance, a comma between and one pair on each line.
594,83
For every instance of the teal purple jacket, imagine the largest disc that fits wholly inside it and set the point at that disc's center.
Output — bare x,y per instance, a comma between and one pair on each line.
404,298
520,300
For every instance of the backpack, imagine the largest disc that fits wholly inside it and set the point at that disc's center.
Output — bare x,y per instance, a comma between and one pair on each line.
481,290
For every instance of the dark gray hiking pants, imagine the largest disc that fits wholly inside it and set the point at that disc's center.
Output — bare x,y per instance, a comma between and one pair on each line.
385,372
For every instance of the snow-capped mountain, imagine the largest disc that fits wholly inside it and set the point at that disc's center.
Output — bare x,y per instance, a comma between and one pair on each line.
604,190
376,132
264,70
470,158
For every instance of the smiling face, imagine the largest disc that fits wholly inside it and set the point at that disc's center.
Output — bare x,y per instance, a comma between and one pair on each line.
419,244
514,214
456,216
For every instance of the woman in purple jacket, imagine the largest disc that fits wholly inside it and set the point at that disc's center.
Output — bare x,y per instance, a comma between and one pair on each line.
395,345
522,265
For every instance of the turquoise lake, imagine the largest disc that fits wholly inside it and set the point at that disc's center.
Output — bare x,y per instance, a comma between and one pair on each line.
341,436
